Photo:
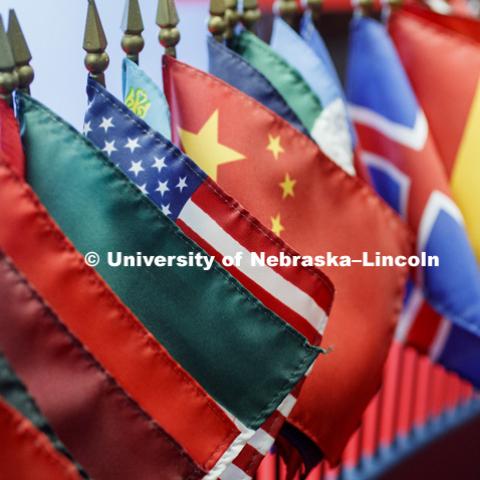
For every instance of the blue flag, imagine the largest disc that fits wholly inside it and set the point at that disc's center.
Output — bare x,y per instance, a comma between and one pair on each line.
227,65
310,57
407,171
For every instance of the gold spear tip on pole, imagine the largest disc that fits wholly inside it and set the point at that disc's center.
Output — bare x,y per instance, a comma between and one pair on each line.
365,7
8,76
232,17
21,52
315,6
94,39
216,23
132,18
167,20
395,4
132,26
95,43
167,15
289,11
251,14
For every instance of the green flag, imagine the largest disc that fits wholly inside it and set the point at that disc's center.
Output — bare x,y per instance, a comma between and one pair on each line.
210,324
288,81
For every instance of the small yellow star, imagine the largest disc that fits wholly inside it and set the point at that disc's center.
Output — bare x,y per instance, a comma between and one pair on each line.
274,146
288,186
277,227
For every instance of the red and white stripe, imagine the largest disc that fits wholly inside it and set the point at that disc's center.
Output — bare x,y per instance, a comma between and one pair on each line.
245,465
302,296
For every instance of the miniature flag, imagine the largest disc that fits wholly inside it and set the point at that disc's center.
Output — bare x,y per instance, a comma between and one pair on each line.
306,199
449,92
10,142
407,171
92,312
286,80
312,61
300,295
201,331
28,442
145,98
92,414
229,66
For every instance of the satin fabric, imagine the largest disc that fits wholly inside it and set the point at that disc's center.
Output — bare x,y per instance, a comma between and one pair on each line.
107,328
228,65
288,81
331,211
13,392
102,426
26,452
10,143
210,324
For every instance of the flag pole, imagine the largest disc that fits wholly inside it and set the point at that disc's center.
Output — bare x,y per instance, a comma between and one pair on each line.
132,26
95,44
8,75
217,25
251,14
21,53
167,20
232,17
289,12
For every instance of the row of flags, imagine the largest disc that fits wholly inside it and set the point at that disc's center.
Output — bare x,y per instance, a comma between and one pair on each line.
195,373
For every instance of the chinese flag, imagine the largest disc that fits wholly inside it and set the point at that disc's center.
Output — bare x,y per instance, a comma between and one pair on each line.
282,177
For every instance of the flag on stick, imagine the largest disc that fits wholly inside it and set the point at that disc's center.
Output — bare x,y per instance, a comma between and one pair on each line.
406,170
451,101
289,185
30,448
225,367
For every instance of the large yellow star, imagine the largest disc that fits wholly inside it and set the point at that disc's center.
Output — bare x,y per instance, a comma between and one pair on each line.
205,149
274,146
277,227
288,186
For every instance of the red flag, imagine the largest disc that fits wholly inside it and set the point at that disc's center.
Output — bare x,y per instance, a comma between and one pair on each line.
107,328
99,423
284,180
448,89
27,453
10,142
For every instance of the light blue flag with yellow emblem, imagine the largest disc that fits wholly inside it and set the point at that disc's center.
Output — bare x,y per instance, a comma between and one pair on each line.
145,98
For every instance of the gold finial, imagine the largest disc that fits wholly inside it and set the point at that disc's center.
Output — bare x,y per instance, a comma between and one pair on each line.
167,20
132,26
95,43
216,23
232,17
288,10
21,53
315,7
8,75
395,4
251,14
365,7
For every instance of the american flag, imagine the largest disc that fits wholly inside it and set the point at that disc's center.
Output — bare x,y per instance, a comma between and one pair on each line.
301,296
